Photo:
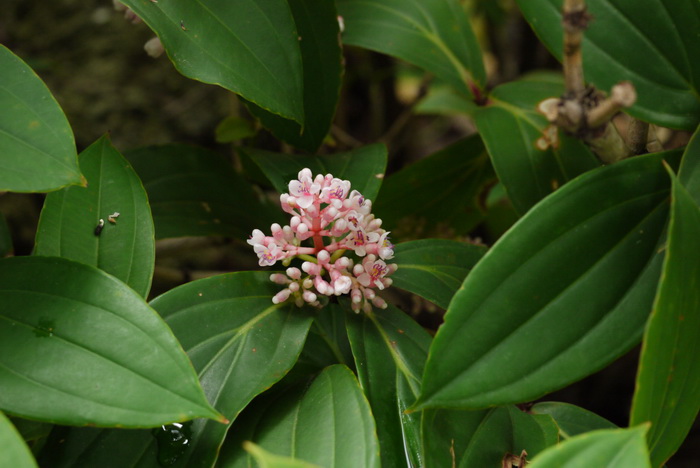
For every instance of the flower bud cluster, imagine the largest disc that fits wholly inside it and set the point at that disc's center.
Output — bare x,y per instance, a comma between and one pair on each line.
335,220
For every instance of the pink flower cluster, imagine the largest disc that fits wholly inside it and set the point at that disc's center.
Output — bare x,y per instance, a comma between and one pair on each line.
335,220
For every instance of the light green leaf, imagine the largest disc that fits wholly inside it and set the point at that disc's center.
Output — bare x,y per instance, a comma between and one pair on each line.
14,453
37,149
668,381
434,268
266,459
79,347
570,419
250,47
562,294
69,220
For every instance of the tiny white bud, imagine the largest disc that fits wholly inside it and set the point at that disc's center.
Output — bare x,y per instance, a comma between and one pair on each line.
323,256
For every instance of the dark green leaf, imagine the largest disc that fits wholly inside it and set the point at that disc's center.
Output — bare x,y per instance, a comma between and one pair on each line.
317,25
234,129
562,294
653,47
609,448
390,350
363,167
437,194
434,35
445,100
513,132
572,420
250,48
434,268
668,381
195,192
327,342
689,173
328,424
69,221
14,453
79,347
36,141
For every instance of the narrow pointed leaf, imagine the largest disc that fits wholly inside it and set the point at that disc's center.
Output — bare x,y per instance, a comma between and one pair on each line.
571,419
434,35
36,141
652,47
578,269
15,452
363,167
124,248
608,448
195,192
689,173
79,347
390,350
317,25
266,459
250,47
668,381
434,268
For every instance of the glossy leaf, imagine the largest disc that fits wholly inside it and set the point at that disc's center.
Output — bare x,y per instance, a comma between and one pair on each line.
79,347
36,141
689,173
611,448
266,459
363,167
390,350
195,192
328,424
512,130
434,268
6,247
570,419
652,47
437,194
251,49
540,309
317,25
69,220
434,35
668,381
15,452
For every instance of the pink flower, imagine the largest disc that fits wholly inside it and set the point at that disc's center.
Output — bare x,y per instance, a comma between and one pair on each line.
386,248
336,192
269,254
374,271
305,189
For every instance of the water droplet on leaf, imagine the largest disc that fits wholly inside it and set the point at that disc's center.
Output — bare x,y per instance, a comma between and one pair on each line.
173,441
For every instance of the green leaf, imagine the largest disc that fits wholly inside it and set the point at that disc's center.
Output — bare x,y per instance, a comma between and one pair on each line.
266,459
390,350
513,131
572,420
317,24
653,47
6,247
234,129
363,167
611,448
195,192
434,35
36,141
328,424
689,173
444,100
69,220
438,193
668,381
15,452
251,49
79,347
327,342
562,294
434,268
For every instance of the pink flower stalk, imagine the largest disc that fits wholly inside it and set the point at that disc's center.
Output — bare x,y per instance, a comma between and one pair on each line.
332,220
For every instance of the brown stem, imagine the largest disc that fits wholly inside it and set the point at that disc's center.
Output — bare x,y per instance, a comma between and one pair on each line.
575,21
637,134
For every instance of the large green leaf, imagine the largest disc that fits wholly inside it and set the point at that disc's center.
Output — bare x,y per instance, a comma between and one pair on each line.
195,192
363,167
562,294
240,345
689,173
79,347
437,194
654,47
37,149
668,382
511,128
317,25
608,448
15,452
434,268
570,419
328,423
67,228
246,46
432,34
390,350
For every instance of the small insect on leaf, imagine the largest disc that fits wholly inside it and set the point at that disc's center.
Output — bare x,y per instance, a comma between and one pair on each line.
100,226
182,25
113,217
